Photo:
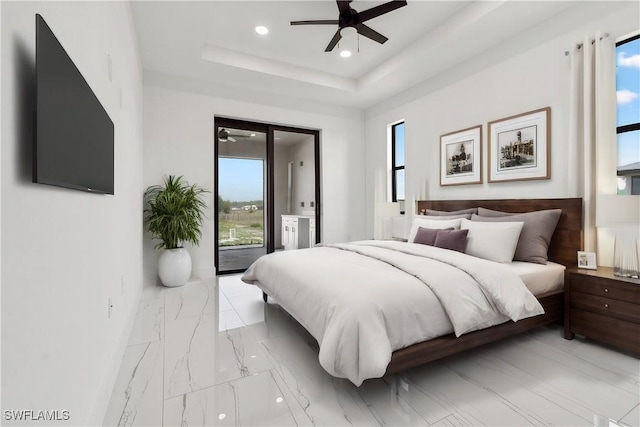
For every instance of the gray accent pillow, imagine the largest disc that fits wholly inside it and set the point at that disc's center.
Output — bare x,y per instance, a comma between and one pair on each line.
492,213
446,213
455,240
535,237
456,216
427,236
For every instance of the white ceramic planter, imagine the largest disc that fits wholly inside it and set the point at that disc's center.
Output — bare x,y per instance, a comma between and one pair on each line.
174,267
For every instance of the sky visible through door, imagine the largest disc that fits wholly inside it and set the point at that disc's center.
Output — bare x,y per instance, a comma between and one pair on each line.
241,179
240,201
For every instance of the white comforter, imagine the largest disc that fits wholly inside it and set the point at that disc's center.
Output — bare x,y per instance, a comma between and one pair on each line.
363,300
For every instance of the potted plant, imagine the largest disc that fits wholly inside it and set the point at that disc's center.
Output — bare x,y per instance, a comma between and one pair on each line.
174,214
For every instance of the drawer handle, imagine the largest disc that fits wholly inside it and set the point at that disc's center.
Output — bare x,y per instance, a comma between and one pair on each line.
606,306
606,290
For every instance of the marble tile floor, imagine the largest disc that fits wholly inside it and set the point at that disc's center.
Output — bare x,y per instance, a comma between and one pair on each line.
214,354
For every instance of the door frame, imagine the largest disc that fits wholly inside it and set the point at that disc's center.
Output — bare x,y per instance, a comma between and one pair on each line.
268,129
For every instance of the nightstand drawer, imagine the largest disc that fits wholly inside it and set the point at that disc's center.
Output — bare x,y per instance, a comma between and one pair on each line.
606,306
606,288
602,328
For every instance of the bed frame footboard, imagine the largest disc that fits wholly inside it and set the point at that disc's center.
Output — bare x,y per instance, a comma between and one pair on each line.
438,348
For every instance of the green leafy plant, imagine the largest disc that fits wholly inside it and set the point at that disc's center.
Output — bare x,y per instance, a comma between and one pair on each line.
174,212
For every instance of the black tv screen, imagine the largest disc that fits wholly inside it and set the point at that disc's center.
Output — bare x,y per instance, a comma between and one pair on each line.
74,145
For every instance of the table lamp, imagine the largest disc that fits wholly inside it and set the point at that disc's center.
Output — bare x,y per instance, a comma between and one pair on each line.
621,214
385,211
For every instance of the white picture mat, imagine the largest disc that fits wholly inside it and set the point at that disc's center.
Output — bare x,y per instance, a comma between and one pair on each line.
540,168
472,139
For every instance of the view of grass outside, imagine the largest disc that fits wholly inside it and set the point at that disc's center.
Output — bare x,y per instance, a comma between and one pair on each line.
240,202
240,227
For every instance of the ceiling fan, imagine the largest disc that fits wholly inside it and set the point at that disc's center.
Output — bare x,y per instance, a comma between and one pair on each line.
349,17
224,136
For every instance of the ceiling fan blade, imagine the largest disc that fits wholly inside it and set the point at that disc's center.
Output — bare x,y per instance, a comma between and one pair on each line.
370,33
343,6
334,41
365,15
316,22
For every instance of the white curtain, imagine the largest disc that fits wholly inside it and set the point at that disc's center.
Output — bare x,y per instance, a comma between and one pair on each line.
592,137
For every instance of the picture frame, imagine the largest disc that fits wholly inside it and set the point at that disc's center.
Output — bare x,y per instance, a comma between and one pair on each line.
520,147
587,260
461,157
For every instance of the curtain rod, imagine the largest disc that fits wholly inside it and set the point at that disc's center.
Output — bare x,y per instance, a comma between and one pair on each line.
579,45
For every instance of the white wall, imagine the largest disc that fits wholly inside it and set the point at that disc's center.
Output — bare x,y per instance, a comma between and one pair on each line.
518,76
65,252
280,183
179,138
303,177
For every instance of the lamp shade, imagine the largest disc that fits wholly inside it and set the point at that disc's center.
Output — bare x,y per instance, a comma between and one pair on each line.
613,210
387,209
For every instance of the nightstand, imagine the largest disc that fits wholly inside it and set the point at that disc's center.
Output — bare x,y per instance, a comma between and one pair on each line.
603,307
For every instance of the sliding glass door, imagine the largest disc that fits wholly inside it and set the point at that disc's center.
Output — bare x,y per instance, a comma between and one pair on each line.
263,172
241,165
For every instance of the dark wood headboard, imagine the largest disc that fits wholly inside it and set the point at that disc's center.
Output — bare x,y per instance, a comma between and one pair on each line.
566,240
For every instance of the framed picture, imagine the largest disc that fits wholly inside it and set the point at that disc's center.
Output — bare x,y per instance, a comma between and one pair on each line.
519,147
460,157
587,260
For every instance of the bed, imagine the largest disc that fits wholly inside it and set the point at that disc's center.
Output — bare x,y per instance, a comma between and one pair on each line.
380,308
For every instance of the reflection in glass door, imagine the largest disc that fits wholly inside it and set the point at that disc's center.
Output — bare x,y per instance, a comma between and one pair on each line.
241,169
263,173
295,197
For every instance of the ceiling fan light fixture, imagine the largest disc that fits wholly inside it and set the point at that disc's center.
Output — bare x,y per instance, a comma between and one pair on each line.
262,30
345,53
349,18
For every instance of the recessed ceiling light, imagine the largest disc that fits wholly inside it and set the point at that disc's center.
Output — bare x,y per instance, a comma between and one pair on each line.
345,53
253,134
262,30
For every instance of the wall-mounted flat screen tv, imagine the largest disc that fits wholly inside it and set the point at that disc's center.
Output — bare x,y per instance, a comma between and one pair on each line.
74,143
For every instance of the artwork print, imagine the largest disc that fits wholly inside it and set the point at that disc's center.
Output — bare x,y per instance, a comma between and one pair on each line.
517,148
459,157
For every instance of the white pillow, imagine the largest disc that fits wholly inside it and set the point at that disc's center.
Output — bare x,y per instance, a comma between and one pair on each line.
495,241
432,223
